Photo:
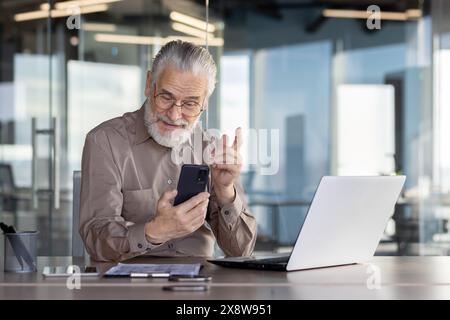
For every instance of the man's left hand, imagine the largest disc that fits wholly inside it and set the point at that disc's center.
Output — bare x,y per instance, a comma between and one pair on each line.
226,167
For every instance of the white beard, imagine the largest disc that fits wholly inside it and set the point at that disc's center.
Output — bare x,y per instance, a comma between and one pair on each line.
171,139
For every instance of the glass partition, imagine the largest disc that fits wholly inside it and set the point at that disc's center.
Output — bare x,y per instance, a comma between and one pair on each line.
316,94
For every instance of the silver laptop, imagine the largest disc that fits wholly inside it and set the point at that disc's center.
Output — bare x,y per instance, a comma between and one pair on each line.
344,225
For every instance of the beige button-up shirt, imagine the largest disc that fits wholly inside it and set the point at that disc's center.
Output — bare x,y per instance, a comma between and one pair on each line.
124,173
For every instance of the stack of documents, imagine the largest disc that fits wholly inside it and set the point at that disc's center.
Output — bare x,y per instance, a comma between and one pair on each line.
126,270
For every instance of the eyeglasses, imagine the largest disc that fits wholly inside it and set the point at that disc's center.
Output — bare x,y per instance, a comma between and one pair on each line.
165,101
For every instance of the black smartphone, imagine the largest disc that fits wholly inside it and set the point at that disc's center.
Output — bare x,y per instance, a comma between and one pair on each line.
190,278
65,271
193,179
185,288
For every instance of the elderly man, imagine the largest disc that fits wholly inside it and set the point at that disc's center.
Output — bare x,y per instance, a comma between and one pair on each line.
129,176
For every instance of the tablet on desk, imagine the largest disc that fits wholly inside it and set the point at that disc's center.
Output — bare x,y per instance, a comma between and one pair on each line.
65,271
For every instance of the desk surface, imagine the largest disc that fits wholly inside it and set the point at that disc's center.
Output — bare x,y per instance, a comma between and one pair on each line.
400,278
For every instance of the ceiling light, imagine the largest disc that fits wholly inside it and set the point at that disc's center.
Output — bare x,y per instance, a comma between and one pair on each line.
31,15
189,30
81,3
414,13
361,14
45,7
82,10
194,22
146,40
102,27
58,13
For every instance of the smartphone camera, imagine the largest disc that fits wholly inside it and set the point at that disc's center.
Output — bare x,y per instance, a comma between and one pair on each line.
201,177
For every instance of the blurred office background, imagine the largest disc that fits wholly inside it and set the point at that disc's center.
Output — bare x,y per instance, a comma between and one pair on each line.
342,98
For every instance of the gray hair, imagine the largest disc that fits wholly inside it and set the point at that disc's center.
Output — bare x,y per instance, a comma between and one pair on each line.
186,56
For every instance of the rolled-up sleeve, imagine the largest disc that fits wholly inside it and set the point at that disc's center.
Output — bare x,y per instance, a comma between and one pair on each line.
233,225
106,234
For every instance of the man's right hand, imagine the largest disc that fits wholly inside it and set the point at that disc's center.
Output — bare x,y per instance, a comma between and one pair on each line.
174,222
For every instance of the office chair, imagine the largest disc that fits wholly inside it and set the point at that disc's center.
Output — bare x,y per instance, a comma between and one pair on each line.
8,195
77,242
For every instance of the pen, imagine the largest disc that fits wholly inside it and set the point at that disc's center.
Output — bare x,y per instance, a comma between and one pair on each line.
149,275
7,229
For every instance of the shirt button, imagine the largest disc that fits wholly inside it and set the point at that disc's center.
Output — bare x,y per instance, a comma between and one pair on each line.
139,246
169,181
227,212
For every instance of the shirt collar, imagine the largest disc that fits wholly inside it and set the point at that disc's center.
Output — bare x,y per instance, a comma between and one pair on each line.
141,130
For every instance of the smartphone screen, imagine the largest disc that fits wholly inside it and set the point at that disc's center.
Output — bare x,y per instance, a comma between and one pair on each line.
193,179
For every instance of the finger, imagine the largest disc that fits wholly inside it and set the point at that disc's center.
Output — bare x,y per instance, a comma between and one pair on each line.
203,209
235,160
168,196
209,154
192,202
202,205
197,223
220,145
227,151
228,159
225,159
224,144
225,139
199,210
237,138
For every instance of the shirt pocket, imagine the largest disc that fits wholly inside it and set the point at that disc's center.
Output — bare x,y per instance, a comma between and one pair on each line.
138,205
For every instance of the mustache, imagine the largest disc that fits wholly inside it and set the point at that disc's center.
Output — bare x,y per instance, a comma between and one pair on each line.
178,122
152,117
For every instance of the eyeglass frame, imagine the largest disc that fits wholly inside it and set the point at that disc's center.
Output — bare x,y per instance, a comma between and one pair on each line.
202,105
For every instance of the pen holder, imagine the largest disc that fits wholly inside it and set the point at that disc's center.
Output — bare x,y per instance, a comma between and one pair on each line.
20,251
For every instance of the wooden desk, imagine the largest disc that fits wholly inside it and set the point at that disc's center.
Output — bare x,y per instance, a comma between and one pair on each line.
401,278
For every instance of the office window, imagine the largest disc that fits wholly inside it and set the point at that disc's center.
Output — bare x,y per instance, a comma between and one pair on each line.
442,80
291,94
97,92
365,130
234,86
